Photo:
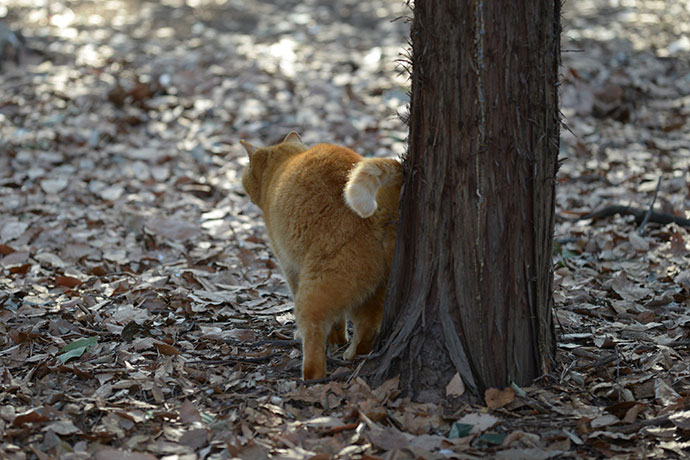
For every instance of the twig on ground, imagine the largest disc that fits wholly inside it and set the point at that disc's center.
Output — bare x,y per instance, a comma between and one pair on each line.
664,420
277,342
639,214
328,378
640,230
231,359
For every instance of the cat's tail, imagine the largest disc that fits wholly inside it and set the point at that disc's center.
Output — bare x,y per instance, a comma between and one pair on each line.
365,179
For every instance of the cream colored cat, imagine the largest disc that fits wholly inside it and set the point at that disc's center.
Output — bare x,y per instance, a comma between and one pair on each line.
331,217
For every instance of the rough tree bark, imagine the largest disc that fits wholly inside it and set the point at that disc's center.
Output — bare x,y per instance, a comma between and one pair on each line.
470,288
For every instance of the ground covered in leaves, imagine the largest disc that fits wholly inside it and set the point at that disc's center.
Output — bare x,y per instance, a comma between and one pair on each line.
142,315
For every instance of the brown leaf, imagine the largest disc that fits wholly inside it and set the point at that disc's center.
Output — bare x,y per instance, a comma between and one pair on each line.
5,250
388,389
99,270
31,417
321,456
251,451
632,413
165,349
21,269
619,409
646,316
496,398
19,336
338,429
67,281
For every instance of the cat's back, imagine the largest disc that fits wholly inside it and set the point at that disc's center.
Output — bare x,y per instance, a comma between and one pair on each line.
319,173
307,208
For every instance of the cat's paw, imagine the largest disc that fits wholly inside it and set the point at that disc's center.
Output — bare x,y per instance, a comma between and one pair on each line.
350,353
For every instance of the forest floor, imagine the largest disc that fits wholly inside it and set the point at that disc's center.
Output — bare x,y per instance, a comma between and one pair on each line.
143,316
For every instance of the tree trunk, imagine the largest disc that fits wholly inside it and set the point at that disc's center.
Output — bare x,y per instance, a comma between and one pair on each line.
470,288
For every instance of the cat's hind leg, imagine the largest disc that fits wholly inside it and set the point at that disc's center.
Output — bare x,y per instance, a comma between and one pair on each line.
366,319
320,309
338,334
314,321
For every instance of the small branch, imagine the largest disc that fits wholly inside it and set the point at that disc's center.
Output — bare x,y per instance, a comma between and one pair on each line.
233,359
328,378
639,214
664,420
277,342
640,230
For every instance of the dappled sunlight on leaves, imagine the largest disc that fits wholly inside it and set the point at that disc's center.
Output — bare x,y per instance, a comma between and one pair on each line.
142,314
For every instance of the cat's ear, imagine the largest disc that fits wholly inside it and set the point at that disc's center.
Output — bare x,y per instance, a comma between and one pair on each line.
293,137
249,148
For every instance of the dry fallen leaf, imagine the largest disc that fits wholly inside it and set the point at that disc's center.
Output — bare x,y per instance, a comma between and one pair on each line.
455,387
678,246
116,454
496,398
664,393
195,439
67,281
165,349
123,218
633,412
480,422
681,419
189,412
173,229
629,290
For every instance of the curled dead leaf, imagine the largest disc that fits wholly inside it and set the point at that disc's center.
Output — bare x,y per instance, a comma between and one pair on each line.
664,393
496,398
681,419
165,349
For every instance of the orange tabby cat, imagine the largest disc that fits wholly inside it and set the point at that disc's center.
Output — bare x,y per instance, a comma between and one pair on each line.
331,218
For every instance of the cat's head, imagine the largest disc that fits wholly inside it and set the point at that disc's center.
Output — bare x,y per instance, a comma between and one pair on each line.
263,162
